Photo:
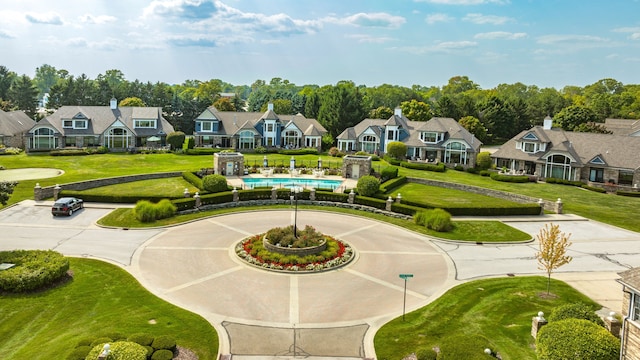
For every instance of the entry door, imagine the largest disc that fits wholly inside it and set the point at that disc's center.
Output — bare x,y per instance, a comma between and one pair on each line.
355,169
229,168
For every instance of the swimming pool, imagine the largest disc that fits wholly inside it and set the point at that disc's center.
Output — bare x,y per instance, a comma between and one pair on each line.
251,183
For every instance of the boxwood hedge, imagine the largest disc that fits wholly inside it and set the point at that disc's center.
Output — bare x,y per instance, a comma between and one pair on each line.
34,269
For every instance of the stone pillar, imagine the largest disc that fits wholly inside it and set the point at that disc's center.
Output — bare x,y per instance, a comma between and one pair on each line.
56,192
186,193
541,204
198,200
274,193
398,198
37,192
236,198
537,322
612,324
389,203
559,206
352,197
312,194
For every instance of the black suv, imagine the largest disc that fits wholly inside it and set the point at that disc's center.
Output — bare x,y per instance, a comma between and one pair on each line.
66,206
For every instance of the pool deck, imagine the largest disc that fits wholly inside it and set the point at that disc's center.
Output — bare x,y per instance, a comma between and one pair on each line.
237,182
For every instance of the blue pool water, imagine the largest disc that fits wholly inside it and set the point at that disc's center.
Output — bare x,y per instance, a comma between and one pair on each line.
251,183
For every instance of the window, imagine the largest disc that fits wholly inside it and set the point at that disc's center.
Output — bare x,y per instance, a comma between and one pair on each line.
117,138
455,153
44,138
369,144
148,124
529,147
269,127
247,140
206,126
596,175
530,136
625,177
559,167
635,307
291,139
67,123
429,137
80,124
312,141
391,135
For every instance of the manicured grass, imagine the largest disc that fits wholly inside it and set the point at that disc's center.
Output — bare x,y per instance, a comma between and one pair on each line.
436,196
169,187
477,231
498,310
101,299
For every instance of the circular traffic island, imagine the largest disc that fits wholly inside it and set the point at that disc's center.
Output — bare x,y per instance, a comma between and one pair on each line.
292,250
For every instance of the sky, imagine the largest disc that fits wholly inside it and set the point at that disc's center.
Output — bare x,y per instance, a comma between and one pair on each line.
547,43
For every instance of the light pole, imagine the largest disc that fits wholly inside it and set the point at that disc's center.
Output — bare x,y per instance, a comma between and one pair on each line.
295,190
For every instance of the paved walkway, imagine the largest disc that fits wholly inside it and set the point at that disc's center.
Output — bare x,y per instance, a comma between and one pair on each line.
262,315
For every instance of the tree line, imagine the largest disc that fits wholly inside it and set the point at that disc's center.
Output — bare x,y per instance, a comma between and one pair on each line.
492,115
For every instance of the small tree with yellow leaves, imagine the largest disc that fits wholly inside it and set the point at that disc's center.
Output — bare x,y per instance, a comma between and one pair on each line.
553,250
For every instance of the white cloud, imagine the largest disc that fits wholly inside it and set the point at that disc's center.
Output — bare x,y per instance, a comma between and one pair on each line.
500,35
436,18
441,47
49,18
99,20
635,36
369,20
464,2
635,32
363,38
6,35
571,39
486,19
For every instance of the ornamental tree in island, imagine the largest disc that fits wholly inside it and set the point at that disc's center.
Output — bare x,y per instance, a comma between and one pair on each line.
553,250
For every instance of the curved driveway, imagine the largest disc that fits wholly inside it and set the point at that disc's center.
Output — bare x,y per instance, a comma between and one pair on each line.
263,315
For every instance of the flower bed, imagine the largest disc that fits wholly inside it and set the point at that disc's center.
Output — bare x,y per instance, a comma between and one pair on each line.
253,251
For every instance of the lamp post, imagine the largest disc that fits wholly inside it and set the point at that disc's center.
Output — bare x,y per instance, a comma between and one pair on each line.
294,191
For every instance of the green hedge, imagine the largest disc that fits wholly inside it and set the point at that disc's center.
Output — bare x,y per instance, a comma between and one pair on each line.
202,151
34,269
369,201
331,196
112,198
575,311
594,188
215,183
551,180
69,152
388,173
628,193
507,210
305,151
510,178
424,166
392,184
120,350
576,339
193,179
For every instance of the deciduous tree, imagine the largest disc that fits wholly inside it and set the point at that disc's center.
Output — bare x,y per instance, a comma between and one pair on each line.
552,252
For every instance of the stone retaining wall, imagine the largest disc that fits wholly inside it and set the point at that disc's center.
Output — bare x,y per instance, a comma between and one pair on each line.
311,250
41,193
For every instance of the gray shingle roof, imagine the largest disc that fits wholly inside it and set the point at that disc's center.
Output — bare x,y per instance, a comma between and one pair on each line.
617,151
631,278
623,126
14,122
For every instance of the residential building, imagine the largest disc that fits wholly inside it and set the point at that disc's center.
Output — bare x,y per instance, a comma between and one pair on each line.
437,140
117,128
630,334
629,127
588,157
245,131
13,127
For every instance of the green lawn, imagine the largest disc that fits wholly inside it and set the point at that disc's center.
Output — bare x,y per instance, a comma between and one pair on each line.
169,187
436,196
101,299
498,311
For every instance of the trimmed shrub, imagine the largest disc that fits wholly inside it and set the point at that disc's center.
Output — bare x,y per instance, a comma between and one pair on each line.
368,201
393,184
175,139
143,339
484,161
392,161
193,179
458,168
189,143
438,220
202,151
576,339
397,150
120,350
162,355
426,354
214,183
368,185
164,342
331,196
101,341
388,173
628,193
79,353
594,189
551,180
484,173
468,347
34,269
69,152
422,166
305,151
510,178
333,151
575,311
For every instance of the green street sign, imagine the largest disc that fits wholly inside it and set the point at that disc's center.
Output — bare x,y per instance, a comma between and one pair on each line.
406,276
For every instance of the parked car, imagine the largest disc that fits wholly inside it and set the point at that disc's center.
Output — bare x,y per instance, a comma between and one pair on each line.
66,206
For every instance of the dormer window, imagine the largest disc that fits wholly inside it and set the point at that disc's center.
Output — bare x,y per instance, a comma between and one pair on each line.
529,147
429,137
75,124
144,123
